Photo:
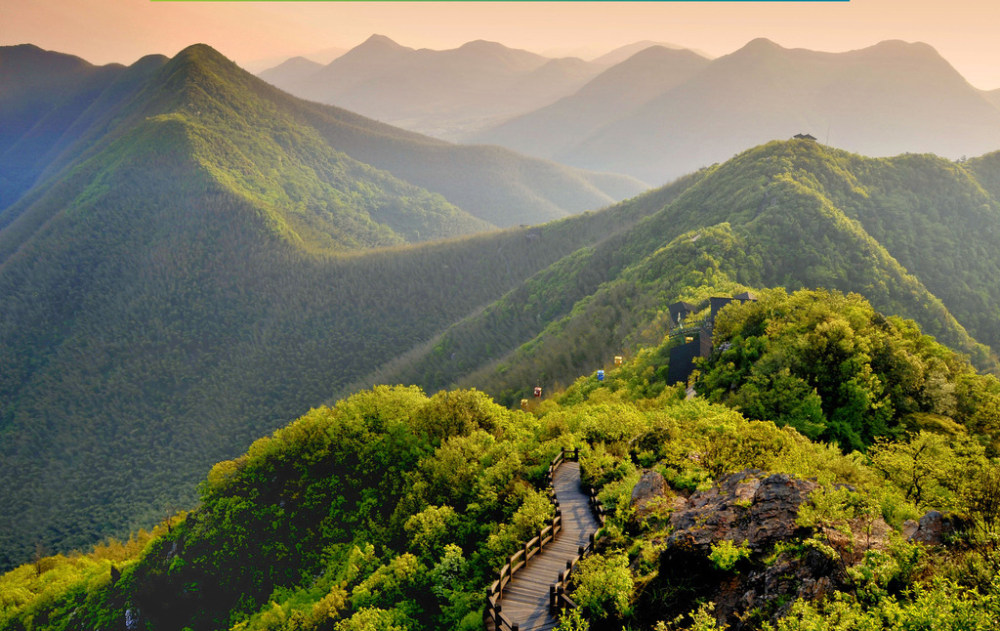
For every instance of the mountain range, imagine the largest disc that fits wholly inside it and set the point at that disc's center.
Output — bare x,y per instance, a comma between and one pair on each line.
445,93
558,128
822,430
913,234
670,114
657,112
190,258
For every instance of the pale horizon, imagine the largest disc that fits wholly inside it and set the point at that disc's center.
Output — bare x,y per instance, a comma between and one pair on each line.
258,35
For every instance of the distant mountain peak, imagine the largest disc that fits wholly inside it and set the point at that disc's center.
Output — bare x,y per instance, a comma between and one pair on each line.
377,47
296,63
23,49
660,52
622,53
487,50
900,48
202,53
377,41
198,49
30,53
761,45
482,44
899,44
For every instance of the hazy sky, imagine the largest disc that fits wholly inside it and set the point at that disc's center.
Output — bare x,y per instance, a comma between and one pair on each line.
259,34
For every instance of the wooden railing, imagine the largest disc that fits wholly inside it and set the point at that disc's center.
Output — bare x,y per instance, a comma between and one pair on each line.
558,591
517,561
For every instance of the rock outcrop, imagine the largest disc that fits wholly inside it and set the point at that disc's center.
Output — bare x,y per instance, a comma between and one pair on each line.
653,501
932,528
748,506
755,510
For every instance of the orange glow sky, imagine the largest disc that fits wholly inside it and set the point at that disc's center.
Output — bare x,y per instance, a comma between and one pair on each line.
259,34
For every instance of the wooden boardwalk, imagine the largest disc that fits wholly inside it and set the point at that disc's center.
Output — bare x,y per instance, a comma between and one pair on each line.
525,599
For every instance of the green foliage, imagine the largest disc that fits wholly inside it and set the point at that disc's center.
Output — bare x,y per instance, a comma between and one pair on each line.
332,506
573,620
604,585
457,414
832,367
372,620
932,469
429,529
726,555
393,510
702,619
941,605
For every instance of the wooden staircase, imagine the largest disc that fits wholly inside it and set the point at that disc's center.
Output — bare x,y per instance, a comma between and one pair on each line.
529,592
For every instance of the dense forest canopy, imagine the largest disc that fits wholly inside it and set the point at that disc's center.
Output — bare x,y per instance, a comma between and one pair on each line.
838,371
392,509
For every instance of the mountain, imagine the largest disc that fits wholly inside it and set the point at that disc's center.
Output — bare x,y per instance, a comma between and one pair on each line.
290,70
913,234
890,98
320,57
444,93
309,192
993,96
187,235
166,298
621,89
622,53
494,185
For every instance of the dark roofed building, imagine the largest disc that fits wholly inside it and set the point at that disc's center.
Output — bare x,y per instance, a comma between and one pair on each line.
804,137
679,311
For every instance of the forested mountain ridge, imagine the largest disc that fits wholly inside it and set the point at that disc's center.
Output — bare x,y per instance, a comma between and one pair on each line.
795,214
393,510
493,184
